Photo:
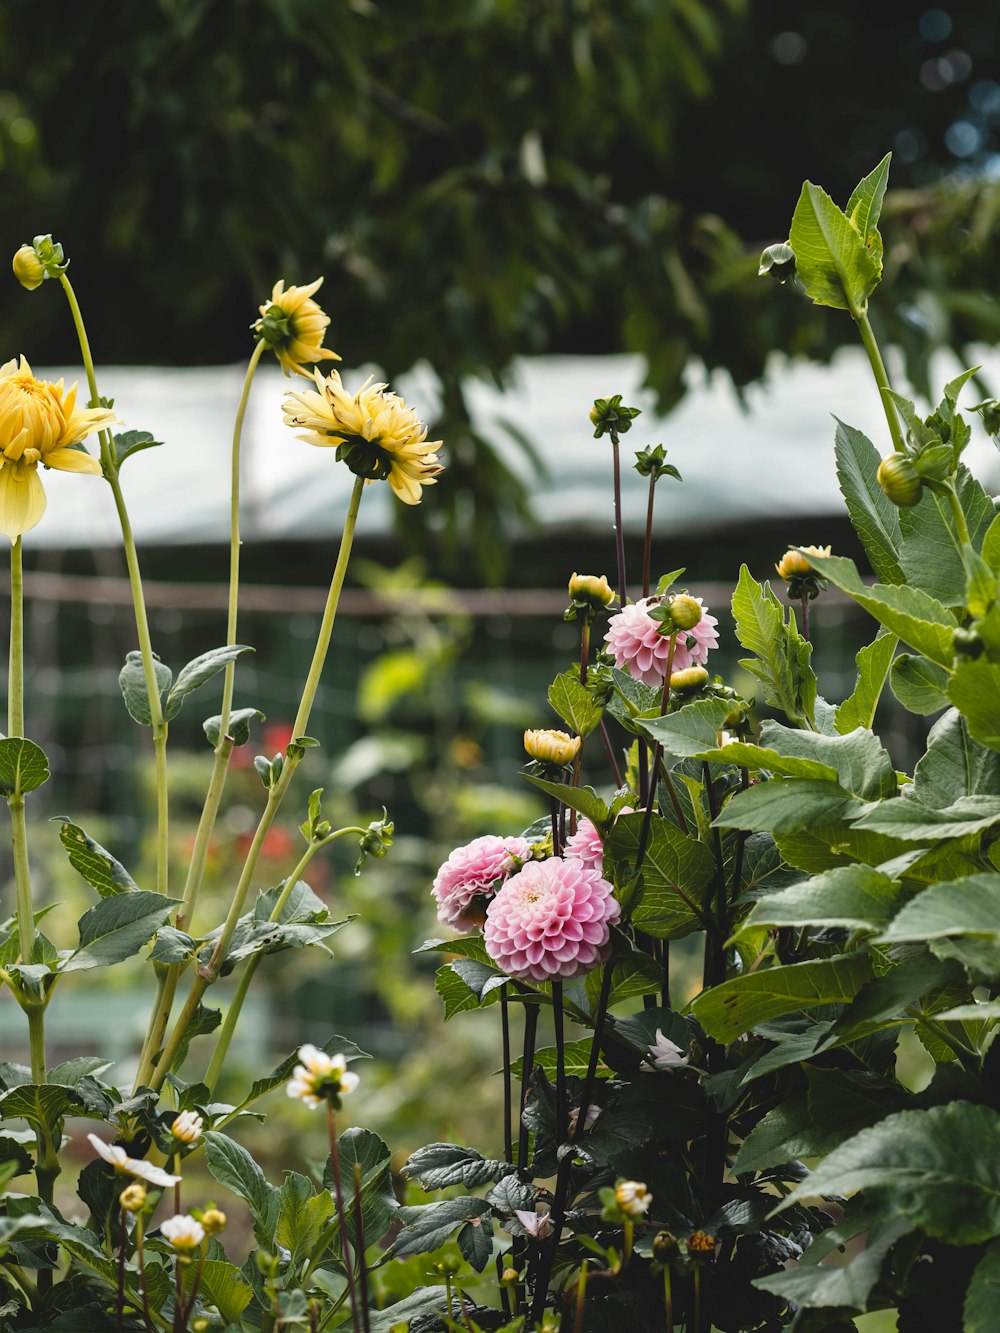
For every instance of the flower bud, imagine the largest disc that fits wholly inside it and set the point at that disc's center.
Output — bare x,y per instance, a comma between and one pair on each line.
133,1198
777,261
685,611
900,480
989,412
794,564
689,680
590,588
28,268
552,747
213,1220
700,1242
508,1276
664,1247
187,1126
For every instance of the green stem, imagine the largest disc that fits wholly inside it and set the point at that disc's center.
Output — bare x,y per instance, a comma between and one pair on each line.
881,377
958,517
15,676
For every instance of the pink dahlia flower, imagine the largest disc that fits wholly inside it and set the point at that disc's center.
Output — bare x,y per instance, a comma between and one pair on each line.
642,652
469,877
585,844
550,921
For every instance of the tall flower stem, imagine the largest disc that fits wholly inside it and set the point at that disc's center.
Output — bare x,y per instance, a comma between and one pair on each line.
805,616
717,1134
609,750
881,377
209,973
581,1296
647,547
338,1194
508,1140
560,1035
110,468
619,534
958,518
668,1299
359,1232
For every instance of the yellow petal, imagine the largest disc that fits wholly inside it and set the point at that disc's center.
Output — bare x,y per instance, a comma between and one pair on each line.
22,498
72,460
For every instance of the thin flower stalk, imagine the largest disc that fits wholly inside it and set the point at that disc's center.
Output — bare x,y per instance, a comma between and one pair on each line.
359,1232
647,546
668,1299
338,1194
881,378
209,973
581,1296
159,726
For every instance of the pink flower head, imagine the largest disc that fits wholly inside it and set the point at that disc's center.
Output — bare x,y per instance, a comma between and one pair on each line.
468,878
642,652
585,844
550,921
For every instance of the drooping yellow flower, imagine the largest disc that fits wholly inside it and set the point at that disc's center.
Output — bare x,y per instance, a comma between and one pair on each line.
794,564
294,326
39,423
375,433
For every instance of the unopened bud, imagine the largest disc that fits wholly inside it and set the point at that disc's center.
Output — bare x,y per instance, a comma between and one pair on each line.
689,680
508,1276
900,480
552,747
664,1246
214,1221
701,1242
590,588
685,611
133,1198
28,268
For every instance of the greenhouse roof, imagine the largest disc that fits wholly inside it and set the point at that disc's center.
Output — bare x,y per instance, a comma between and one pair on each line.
741,461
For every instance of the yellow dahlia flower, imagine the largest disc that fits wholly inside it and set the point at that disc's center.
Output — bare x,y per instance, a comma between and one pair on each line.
39,423
375,433
294,326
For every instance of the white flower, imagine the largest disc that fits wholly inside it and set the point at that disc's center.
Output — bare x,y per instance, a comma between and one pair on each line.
183,1231
187,1126
535,1224
632,1197
120,1160
320,1077
665,1054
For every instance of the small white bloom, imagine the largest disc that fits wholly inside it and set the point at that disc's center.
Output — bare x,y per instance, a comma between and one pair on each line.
183,1231
574,1116
535,1224
632,1197
187,1126
120,1160
319,1076
665,1054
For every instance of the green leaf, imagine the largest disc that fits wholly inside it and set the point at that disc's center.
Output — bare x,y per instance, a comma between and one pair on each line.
582,799
919,685
475,1241
574,704
234,1168
692,730
423,1301
974,689
23,766
43,1105
918,619
239,725
172,946
303,1215
70,1072
858,760
854,898
927,554
225,1287
199,671
963,907
844,1286
676,873
426,1226
132,683
458,995
875,517
131,442
832,261
982,1296
379,1204
99,868
873,664
577,1059
787,805
734,1007
907,819
439,1165
991,545
954,765
940,1168
865,205
117,928
781,655
633,973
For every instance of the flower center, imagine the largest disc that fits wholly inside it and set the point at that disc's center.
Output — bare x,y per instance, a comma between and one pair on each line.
365,458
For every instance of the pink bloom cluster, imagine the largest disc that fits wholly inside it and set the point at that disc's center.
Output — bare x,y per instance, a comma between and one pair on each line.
551,921
642,652
585,844
468,878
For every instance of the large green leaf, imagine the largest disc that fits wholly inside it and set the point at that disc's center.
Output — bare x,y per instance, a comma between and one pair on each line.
908,819
940,1168
428,1225
440,1165
855,898
875,517
857,759
574,703
99,868
676,872
584,800
843,1286
198,672
967,908
302,1216
974,689
919,685
896,997
234,1168
23,766
928,554
954,765
873,662
692,730
787,805
118,927
865,206
737,1005
832,261
370,1153
225,1287
43,1105
982,1296
781,655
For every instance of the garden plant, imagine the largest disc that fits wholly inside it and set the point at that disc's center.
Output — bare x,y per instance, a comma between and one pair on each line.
745,1159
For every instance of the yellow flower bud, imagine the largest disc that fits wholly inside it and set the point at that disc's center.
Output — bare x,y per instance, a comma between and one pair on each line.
133,1198
685,611
552,747
214,1221
795,565
591,588
900,480
700,1242
28,268
689,680
509,1275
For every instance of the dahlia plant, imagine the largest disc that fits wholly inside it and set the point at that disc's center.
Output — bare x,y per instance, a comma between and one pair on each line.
697,1154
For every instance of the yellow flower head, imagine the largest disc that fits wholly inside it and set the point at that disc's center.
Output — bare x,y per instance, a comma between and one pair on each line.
39,423
552,747
795,564
374,432
294,326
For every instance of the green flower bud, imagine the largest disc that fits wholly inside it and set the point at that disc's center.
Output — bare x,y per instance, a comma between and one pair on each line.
611,416
664,1247
900,480
28,268
689,680
777,261
593,590
685,611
